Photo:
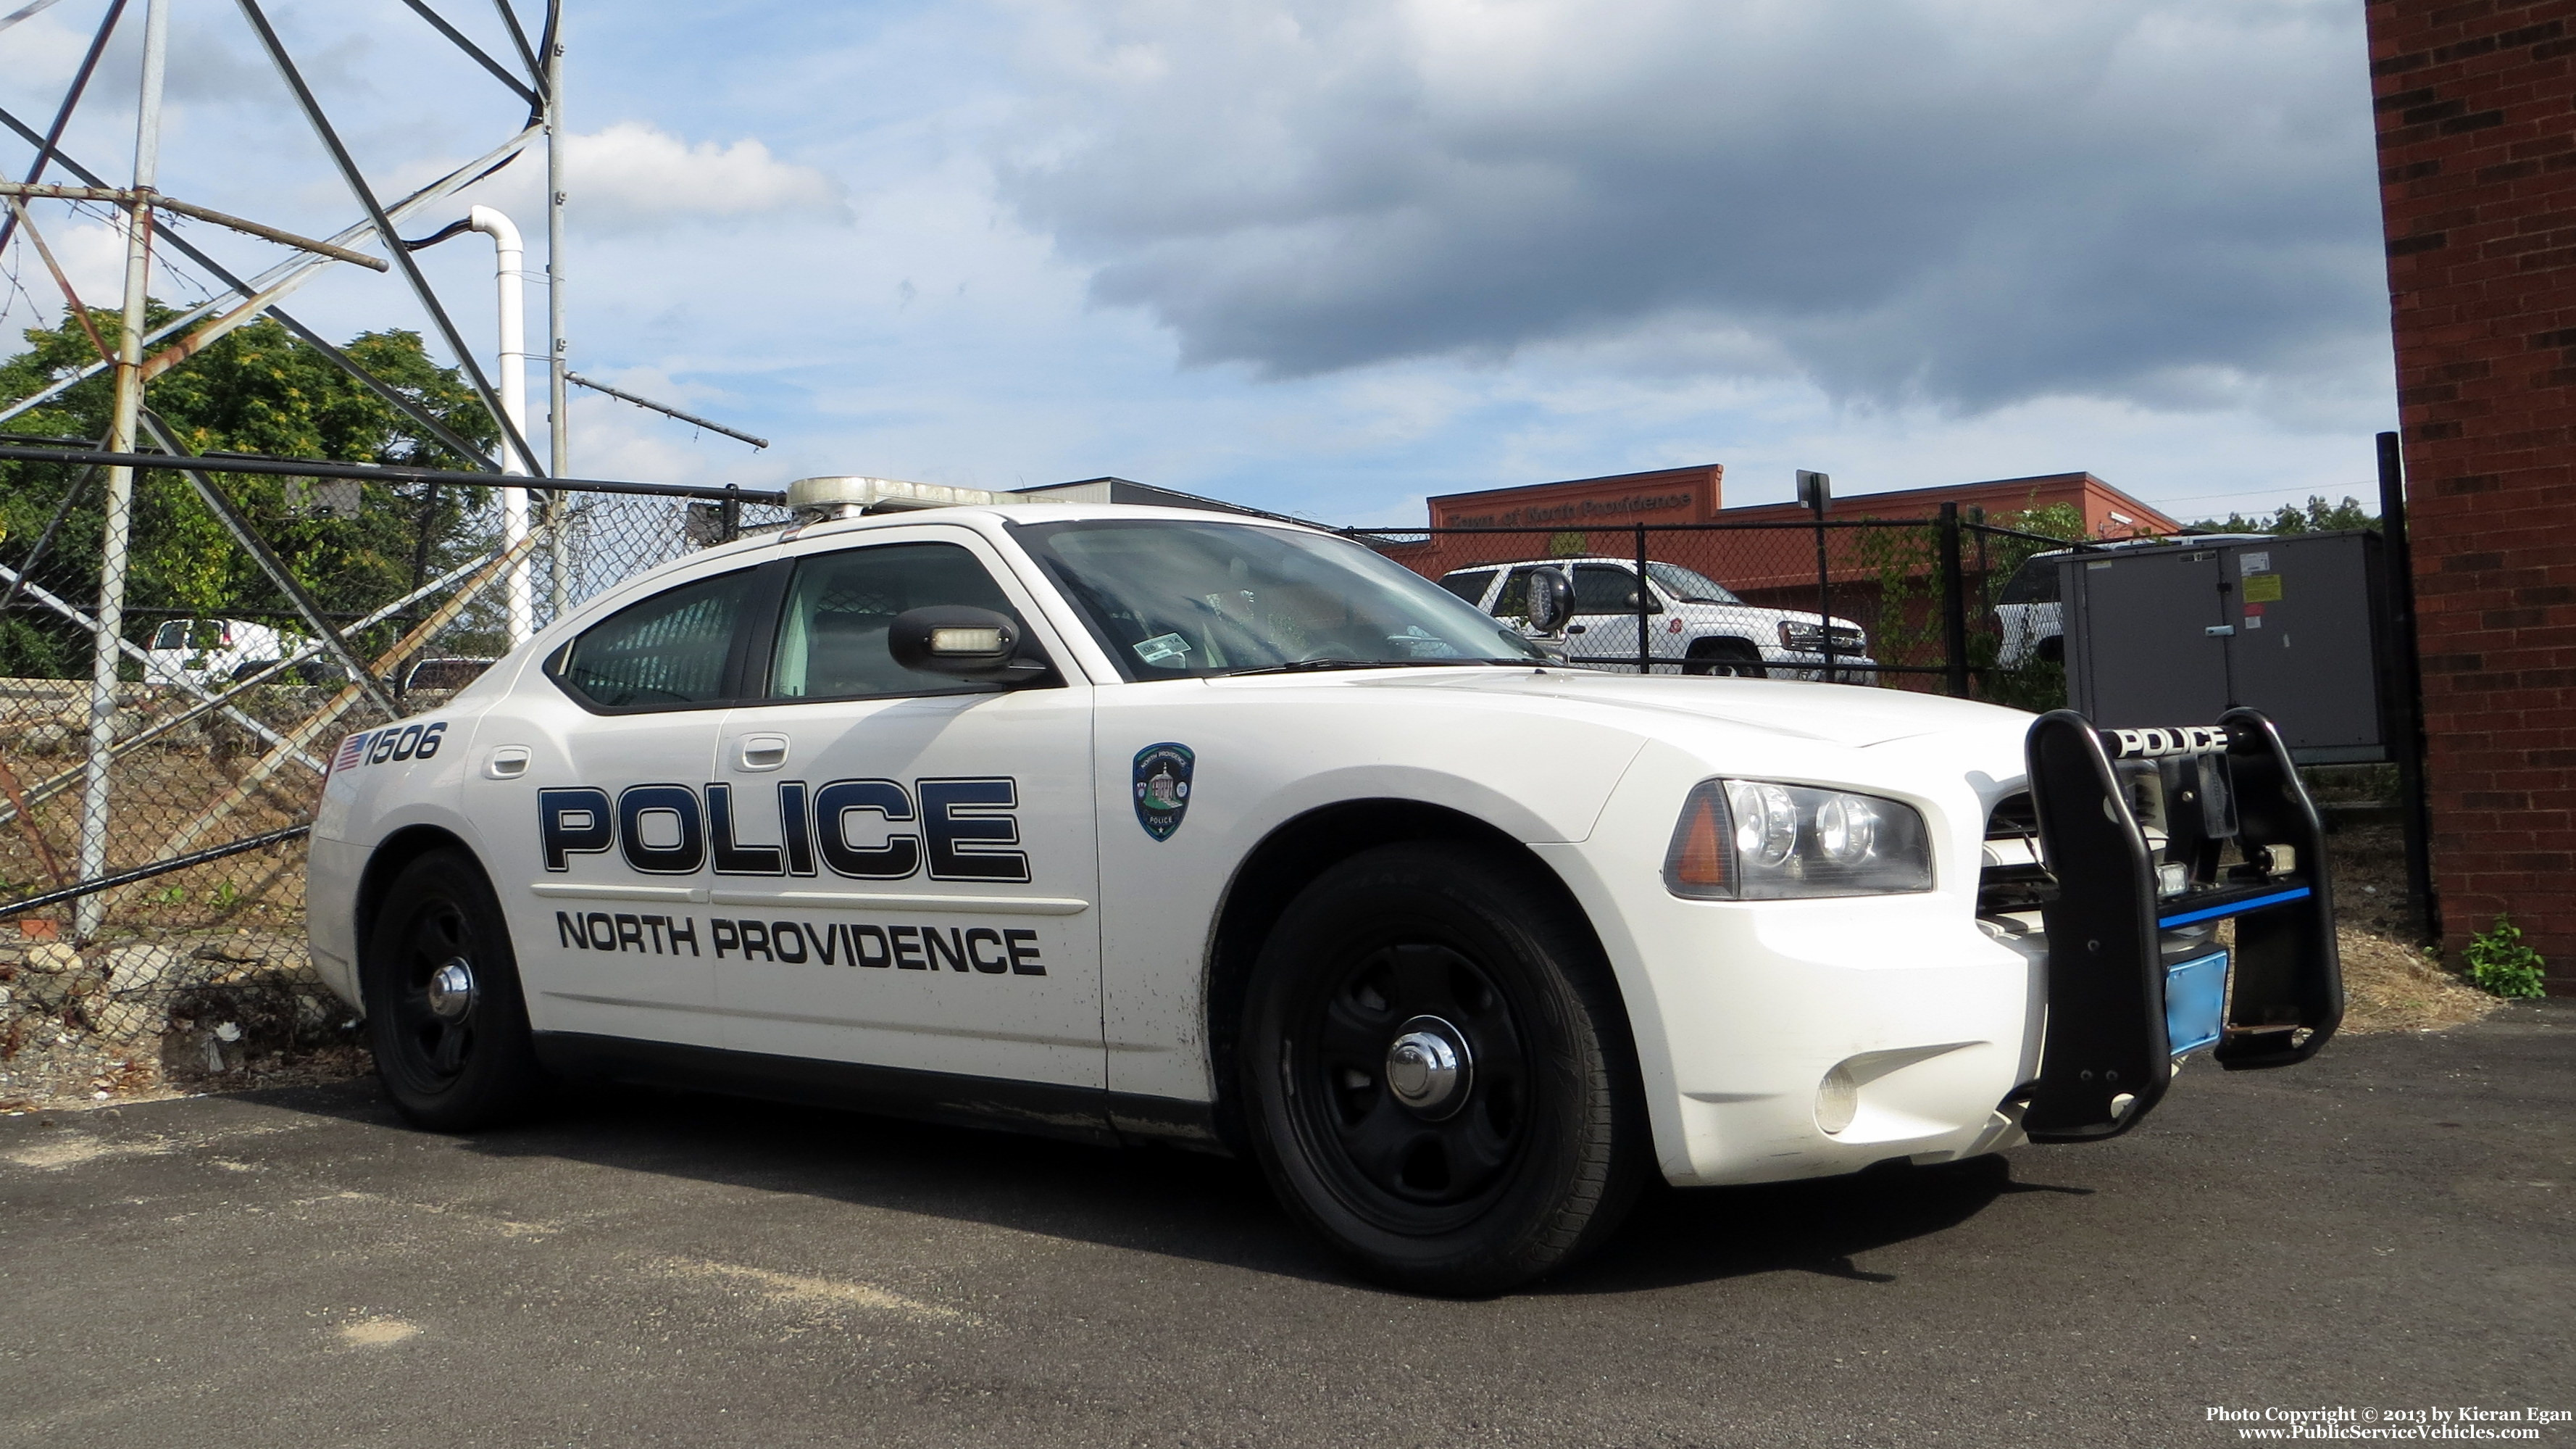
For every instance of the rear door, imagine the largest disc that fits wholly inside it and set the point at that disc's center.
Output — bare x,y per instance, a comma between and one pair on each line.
906,864
585,790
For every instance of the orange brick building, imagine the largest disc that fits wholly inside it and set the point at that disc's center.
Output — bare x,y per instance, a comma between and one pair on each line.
1774,563
2477,147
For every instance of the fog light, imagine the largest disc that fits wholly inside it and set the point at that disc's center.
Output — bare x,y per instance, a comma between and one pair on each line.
1837,1101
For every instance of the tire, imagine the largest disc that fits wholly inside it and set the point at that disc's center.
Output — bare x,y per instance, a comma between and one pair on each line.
1536,1154
460,1069
1734,657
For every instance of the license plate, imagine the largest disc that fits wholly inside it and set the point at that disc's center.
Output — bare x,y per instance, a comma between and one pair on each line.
2195,1001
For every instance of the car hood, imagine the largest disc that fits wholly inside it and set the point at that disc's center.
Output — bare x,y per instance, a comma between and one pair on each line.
1853,716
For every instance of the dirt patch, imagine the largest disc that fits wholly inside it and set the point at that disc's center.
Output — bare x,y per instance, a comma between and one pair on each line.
2390,981
2389,985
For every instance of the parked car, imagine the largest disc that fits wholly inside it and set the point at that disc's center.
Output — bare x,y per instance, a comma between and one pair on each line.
2027,611
1149,825
1694,622
209,653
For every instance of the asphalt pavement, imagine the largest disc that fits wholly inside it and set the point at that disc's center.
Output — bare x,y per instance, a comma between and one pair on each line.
2391,1228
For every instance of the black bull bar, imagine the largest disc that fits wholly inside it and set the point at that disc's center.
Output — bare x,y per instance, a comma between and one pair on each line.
2127,908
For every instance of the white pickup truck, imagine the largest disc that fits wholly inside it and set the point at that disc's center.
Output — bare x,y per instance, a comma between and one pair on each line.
1694,624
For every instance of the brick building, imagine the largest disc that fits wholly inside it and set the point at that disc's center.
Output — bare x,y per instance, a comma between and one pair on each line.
1598,515
2477,146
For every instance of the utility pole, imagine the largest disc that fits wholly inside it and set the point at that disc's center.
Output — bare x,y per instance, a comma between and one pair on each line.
104,654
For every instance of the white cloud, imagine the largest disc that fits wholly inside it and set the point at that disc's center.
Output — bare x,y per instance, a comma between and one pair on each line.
634,176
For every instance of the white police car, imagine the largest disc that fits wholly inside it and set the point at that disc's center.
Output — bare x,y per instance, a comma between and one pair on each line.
1146,824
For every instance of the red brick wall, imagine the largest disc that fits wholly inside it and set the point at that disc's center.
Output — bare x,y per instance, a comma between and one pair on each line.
2477,148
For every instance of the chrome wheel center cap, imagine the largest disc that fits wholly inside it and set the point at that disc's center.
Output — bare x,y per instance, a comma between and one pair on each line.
1427,1067
452,990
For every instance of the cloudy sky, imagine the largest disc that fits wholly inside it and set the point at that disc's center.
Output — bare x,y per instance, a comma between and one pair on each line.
1331,257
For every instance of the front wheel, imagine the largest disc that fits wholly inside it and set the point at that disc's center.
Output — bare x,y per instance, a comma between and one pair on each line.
1438,1073
1733,658
444,1013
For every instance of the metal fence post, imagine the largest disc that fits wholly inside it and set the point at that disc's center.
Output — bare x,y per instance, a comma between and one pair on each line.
106,658
2406,690
1954,604
1645,641
1824,598
558,420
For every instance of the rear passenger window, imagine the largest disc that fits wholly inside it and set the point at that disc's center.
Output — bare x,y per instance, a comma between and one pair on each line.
667,652
832,637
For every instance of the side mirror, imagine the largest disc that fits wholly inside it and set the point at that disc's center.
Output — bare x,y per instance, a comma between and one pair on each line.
960,641
1551,600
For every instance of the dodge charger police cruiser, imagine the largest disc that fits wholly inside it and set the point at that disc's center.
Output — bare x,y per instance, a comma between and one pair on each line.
1149,825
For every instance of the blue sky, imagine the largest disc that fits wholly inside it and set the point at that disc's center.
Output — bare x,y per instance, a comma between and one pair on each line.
1330,258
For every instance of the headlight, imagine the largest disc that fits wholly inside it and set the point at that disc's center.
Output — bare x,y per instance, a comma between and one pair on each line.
1810,638
1751,840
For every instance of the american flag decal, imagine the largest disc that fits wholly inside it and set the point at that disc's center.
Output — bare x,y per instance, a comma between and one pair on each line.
350,749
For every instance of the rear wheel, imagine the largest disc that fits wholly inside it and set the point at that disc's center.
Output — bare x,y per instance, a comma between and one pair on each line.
1736,657
1437,1073
444,1013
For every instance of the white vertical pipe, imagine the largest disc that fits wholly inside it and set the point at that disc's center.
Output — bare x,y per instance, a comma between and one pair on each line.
509,271
104,653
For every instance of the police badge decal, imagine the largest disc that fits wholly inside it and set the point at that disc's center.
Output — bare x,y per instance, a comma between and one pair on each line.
1163,788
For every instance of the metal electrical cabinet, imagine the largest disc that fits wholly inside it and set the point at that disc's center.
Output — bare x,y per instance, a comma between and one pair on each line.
2295,626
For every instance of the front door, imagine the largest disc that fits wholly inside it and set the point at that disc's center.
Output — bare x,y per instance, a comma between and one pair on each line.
583,788
905,871
1605,610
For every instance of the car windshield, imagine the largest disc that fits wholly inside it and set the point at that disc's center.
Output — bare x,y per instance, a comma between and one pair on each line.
1690,586
1170,598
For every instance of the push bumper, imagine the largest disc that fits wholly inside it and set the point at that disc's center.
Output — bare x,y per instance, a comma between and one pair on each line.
2135,828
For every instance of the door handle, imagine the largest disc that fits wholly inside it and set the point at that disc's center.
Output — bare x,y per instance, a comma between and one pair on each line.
764,752
2220,631
1576,628
508,762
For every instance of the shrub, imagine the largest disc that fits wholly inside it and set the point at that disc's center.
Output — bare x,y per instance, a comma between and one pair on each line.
2500,963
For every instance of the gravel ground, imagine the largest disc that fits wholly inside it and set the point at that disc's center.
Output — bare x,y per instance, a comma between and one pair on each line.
2387,1228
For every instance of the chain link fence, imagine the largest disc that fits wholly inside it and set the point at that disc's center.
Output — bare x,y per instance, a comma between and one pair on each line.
1925,604
180,961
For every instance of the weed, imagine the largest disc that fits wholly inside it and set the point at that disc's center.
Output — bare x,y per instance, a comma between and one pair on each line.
2500,963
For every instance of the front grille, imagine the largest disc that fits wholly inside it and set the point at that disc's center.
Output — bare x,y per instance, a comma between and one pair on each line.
2012,877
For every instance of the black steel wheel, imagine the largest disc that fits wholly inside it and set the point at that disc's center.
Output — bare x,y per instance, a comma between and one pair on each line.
444,1014
1438,1072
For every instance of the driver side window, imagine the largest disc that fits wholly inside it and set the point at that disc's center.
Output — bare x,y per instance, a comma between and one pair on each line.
1606,589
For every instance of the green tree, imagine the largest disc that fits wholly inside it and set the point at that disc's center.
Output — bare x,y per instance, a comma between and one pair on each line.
2318,516
255,390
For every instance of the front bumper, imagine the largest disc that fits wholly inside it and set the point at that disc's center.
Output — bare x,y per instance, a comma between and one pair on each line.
1897,1022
